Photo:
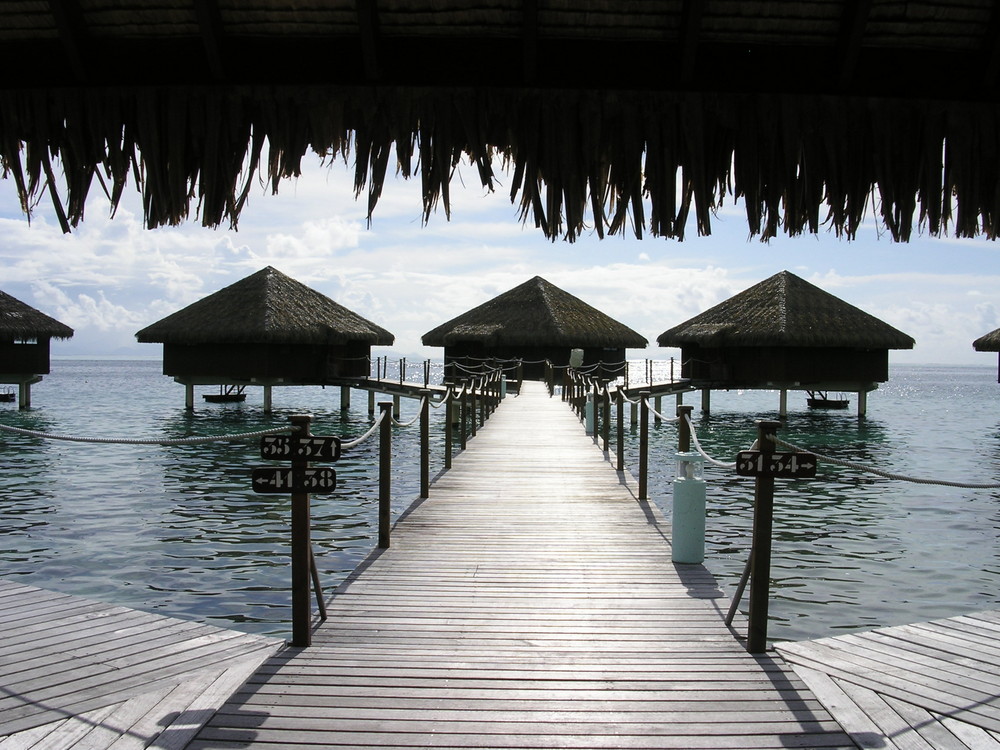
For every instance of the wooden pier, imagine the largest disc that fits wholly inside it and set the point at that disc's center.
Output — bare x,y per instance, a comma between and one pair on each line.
530,602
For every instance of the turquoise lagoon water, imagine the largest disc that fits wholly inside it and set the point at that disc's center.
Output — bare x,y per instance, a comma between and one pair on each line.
178,530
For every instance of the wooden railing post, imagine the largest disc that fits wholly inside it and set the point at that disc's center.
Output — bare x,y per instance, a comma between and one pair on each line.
301,548
620,446
760,559
643,444
465,415
606,420
475,406
425,442
385,474
449,428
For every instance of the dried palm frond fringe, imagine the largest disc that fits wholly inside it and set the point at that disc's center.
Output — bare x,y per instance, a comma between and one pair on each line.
798,162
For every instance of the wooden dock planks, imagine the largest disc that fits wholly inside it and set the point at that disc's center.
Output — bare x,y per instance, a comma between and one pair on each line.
530,602
929,685
78,673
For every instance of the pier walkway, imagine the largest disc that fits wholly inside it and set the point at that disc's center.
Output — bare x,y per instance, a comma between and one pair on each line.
530,602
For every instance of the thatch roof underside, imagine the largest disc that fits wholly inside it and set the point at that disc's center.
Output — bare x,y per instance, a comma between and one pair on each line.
267,307
988,343
609,115
21,321
537,314
785,311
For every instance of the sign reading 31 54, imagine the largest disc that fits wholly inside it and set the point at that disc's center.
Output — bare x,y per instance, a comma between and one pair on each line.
787,465
312,448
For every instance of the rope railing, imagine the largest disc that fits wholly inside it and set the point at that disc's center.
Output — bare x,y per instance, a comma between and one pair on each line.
198,440
701,451
359,440
655,413
423,402
886,474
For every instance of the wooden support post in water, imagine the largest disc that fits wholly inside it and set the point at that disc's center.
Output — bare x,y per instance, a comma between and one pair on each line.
395,407
188,396
760,560
658,401
643,444
371,403
783,403
345,397
862,404
425,444
267,399
706,400
620,443
301,548
385,474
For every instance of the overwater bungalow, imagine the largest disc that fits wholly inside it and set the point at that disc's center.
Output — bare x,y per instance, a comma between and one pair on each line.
25,334
265,330
786,334
534,322
989,343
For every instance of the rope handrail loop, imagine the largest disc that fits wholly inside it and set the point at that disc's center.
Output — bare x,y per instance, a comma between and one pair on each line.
397,423
697,447
236,437
448,396
363,438
657,414
886,474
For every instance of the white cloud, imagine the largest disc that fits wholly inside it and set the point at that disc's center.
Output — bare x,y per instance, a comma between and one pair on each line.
112,277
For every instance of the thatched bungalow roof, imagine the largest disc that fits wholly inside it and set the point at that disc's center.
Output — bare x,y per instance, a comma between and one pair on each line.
21,321
537,314
785,311
614,115
988,343
267,307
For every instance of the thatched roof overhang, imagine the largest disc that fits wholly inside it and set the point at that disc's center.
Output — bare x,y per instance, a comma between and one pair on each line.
785,311
536,313
615,116
267,307
988,343
21,321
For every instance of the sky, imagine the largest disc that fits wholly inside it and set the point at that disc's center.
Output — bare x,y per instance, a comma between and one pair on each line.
111,277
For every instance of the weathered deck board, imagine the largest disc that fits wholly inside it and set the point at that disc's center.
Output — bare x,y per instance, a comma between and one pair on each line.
531,602
75,673
929,685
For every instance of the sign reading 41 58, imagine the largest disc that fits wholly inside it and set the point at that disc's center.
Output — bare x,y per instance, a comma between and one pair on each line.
294,480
